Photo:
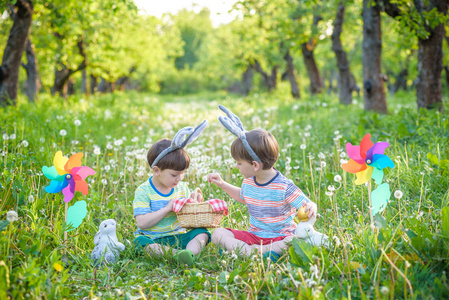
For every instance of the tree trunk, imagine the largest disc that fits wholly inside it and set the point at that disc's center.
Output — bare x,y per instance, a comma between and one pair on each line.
344,73
71,86
106,86
312,68
430,63
84,83
316,84
63,73
121,82
21,14
269,81
373,84
33,83
247,79
93,84
291,75
401,80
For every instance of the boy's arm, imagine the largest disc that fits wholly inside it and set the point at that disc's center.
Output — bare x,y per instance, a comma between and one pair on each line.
297,198
150,219
144,214
231,190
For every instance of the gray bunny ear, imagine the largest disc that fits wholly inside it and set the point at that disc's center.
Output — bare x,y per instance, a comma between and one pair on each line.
178,140
195,134
231,126
232,117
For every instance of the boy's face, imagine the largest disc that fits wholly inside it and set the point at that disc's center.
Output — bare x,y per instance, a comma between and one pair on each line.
169,178
246,169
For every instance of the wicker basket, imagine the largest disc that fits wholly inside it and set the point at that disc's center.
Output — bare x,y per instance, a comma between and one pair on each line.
195,215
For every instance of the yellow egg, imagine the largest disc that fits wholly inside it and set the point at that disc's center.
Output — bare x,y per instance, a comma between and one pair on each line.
302,215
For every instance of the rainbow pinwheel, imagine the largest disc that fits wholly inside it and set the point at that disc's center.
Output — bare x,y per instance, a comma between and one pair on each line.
367,160
67,175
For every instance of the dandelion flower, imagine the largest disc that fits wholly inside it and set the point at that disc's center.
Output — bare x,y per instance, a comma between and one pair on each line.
12,136
337,178
384,290
303,147
331,188
398,194
12,216
58,267
63,132
25,143
97,151
5,137
323,164
104,181
77,122
31,198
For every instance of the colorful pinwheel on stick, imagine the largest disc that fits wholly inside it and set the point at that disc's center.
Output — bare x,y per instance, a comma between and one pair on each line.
67,175
367,161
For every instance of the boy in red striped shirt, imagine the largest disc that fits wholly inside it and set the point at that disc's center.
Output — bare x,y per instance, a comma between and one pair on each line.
271,198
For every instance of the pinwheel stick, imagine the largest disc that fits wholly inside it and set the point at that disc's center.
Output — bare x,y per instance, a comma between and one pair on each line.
65,232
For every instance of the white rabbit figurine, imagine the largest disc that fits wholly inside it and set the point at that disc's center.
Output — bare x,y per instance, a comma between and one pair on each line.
305,230
106,243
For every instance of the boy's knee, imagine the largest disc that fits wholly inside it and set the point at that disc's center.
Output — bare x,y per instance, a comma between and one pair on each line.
203,237
217,235
288,238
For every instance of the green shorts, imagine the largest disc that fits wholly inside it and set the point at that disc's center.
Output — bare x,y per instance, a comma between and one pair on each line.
177,241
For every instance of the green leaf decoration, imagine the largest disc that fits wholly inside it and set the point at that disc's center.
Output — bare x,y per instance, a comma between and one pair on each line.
76,214
377,175
380,197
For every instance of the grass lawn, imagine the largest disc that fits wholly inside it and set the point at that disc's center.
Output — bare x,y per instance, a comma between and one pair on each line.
405,255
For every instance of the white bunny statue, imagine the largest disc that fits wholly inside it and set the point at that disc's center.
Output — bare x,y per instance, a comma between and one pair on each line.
106,243
305,230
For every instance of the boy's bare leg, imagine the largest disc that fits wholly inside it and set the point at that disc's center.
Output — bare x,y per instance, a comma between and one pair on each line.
226,239
159,249
278,246
198,243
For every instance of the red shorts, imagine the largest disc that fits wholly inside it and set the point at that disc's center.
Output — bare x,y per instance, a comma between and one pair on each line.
252,239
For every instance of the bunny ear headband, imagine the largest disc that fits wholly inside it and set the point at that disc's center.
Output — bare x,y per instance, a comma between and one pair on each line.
234,125
181,141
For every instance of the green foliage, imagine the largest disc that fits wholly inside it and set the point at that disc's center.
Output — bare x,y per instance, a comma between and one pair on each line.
194,29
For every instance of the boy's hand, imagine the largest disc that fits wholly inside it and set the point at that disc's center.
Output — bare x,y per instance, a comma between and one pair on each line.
169,206
216,179
311,208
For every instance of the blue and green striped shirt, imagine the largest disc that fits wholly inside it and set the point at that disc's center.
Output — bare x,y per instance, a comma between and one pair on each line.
148,199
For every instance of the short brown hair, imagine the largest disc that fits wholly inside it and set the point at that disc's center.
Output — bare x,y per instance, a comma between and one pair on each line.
262,142
177,160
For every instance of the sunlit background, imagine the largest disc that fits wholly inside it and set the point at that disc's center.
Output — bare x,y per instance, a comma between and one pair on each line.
219,10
